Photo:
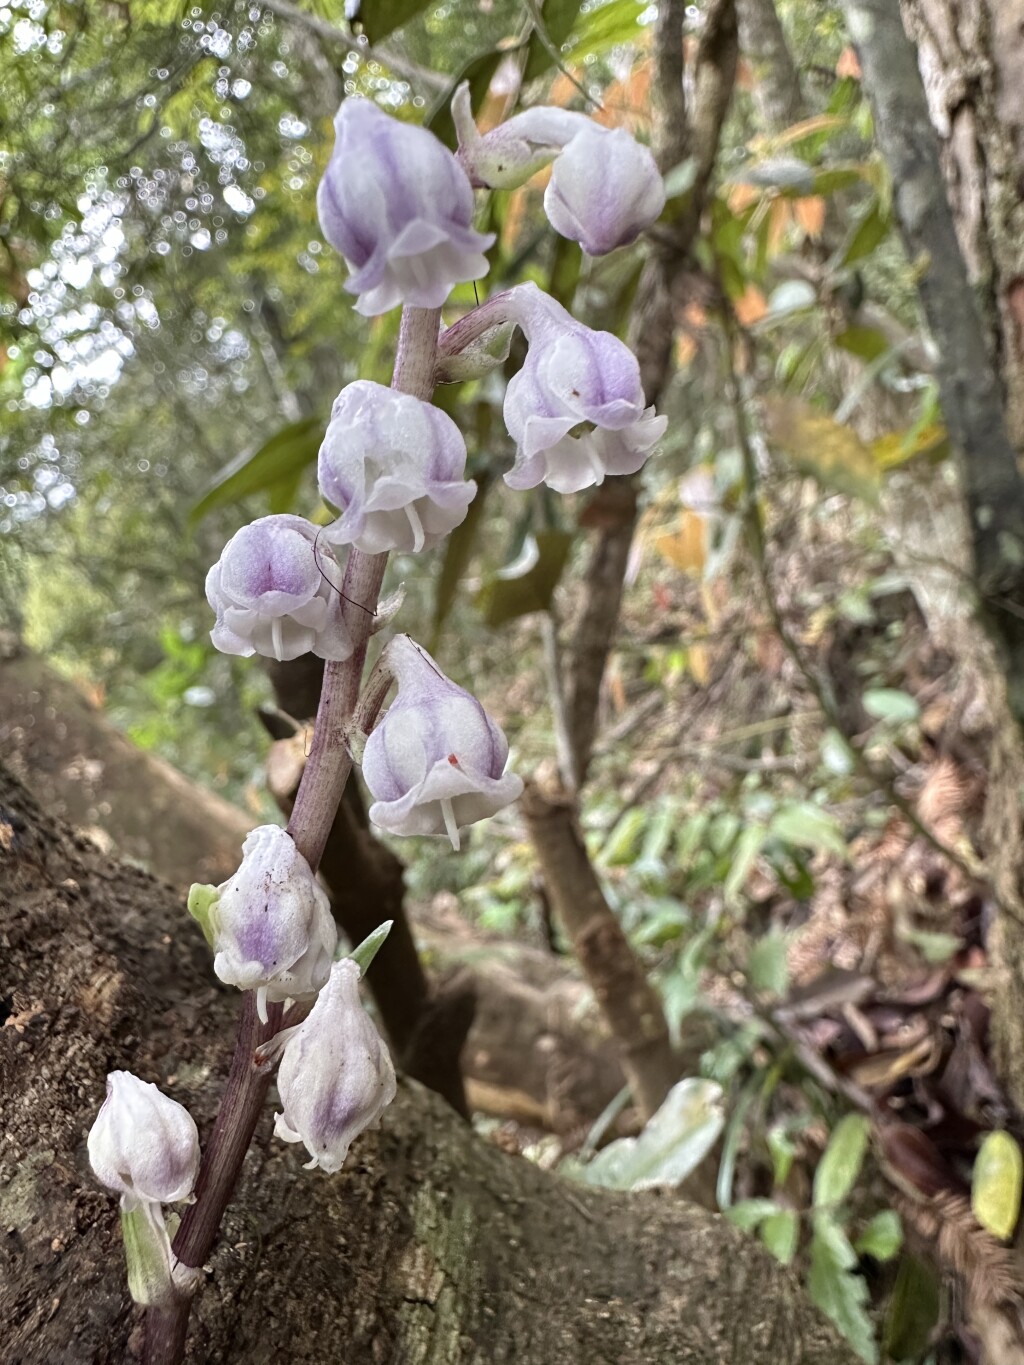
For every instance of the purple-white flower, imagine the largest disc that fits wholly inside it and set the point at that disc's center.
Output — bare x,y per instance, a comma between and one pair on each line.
605,187
275,592
398,206
270,925
143,1145
576,409
436,762
336,1077
396,467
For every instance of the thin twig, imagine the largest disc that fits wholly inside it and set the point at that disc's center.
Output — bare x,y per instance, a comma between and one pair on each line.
331,33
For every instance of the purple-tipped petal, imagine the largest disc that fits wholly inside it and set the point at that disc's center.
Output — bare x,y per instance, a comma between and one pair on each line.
436,761
275,592
395,467
399,207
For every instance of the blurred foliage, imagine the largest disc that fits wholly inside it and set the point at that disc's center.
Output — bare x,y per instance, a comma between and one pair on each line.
173,331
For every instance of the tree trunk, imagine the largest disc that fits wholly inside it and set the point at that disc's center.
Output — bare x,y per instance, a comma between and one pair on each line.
433,1246
777,92
971,290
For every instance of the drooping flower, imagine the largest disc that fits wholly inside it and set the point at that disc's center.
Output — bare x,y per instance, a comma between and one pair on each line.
605,187
336,1077
396,468
270,925
436,761
576,409
398,206
275,592
143,1145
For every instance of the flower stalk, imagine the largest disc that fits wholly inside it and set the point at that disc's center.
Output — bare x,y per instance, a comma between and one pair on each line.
323,782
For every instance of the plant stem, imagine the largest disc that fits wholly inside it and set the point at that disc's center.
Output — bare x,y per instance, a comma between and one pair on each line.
320,791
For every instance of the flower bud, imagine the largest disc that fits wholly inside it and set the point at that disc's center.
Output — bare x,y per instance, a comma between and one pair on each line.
336,1076
396,467
143,1145
275,592
605,188
576,409
270,925
435,763
398,206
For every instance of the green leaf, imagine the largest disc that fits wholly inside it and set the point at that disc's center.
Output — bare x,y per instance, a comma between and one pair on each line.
604,27
557,18
933,946
866,342
825,449
839,1167
529,583
381,17
882,1237
996,1184
672,1145
808,826
872,229
913,1310
891,705
749,1214
767,968
840,1296
744,856
780,1233
283,457
620,848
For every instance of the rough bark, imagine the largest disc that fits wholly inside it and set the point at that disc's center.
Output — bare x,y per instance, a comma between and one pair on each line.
971,58
537,1050
971,55
971,391
777,92
431,1247
90,775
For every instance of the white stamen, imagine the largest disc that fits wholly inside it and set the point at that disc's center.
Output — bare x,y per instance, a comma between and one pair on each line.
277,635
418,536
261,993
449,822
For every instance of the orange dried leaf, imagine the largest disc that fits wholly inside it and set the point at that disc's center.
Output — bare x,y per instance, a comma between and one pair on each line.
810,214
848,65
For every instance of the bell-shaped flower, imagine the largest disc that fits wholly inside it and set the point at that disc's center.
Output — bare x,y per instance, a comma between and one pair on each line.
270,925
275,592
336,1076
143,1145
605,188
436,762
396,467
398,206
576,409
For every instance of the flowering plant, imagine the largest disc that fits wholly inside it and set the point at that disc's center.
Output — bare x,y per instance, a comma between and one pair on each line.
399,207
